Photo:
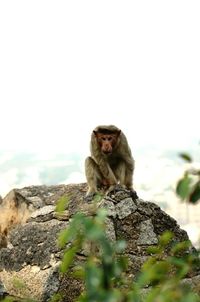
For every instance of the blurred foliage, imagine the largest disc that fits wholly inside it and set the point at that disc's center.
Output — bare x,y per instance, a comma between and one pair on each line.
188,187
62,203
14,299
105,272
56,298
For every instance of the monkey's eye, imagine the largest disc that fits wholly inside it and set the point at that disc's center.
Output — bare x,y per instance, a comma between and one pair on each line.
103,138
109,138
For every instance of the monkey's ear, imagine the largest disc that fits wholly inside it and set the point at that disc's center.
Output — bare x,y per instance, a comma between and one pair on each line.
95,132
118,133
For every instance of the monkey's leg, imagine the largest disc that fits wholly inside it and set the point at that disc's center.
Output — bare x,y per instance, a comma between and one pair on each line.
110,179
93,175
106,171
120,173
129,179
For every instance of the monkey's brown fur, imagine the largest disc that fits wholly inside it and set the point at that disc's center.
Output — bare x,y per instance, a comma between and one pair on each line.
111,161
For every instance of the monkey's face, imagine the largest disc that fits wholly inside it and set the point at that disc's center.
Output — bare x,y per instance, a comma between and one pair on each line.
106,142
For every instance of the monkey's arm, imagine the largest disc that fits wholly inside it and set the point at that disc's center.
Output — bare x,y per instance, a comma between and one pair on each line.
108,174
106,171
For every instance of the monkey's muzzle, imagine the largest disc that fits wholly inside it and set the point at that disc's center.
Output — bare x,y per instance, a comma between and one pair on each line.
107,152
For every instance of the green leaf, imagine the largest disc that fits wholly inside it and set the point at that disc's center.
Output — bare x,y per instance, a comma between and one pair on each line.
152,294
148,264
93,276
92,230
180,247
79,272
154,250
68,258
183,187
121,265
56,298
62,203
64,237
183,271
191,297
9,299
195,195
165,238
101,215
98,197
120,246
186,157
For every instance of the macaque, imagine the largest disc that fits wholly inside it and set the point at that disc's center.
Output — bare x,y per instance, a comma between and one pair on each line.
111,161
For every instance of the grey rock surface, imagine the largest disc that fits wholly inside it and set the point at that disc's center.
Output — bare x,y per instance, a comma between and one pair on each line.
147,235
31,256
3,291
43,214
125,207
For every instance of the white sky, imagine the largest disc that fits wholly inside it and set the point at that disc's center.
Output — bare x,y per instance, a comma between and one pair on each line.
67,66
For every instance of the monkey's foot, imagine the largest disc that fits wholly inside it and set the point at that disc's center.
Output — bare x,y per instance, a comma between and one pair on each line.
94,197
118,192
89,198
134,194
114,189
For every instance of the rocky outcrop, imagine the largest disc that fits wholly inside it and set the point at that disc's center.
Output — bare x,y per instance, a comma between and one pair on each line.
30,256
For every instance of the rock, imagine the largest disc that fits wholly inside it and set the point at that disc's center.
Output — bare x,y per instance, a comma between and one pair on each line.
30,255
193,282
18,205
32,244
147,235
3,291
125,207
109,206
110,229
44,214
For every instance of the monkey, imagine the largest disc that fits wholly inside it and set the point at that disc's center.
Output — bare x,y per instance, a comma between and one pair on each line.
111,160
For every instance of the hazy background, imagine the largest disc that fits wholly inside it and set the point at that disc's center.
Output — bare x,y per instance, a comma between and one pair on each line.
67,66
